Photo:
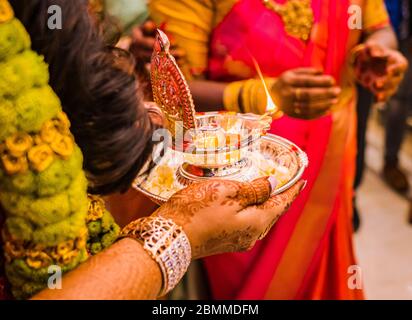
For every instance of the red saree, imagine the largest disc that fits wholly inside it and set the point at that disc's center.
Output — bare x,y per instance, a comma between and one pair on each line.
308,253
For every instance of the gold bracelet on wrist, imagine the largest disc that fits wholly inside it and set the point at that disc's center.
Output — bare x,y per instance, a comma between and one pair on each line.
166,243
231,96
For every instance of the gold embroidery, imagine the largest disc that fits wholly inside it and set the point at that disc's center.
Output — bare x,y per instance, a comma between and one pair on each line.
297,15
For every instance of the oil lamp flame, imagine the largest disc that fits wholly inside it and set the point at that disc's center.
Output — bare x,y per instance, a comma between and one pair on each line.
271,107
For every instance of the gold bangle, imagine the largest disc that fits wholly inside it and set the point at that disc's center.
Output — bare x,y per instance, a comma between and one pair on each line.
258,98
166,243
231,96
246,95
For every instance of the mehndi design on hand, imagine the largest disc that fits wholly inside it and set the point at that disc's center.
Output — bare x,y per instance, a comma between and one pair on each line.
227,216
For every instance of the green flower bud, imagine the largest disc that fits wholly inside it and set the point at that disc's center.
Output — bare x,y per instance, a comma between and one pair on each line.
78,194
95,248
20,228
38,211
24,183
22,72
8,119
110,237
95,228
13,39
67,229
60,175
36,106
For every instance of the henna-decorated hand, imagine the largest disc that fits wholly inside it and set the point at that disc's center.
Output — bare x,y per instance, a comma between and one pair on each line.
379,69
305,93
227,216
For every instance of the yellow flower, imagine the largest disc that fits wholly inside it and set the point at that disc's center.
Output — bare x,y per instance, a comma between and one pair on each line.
37,139
13,165
63,145
81,241
18,144
96,208
38,259
64,247
6,12
62,123
48,132
3,149
40,157
68,257
13,251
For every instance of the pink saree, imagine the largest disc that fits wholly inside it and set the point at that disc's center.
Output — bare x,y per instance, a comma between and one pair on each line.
309,251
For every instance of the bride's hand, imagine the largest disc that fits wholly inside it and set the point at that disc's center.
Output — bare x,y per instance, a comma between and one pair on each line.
227,216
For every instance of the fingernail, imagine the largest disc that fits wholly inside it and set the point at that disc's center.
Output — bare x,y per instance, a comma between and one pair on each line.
273,182
337,91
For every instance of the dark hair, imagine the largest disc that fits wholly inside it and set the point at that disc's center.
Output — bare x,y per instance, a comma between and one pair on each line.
98,90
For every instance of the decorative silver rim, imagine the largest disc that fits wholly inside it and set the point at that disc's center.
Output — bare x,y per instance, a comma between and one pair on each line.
300,154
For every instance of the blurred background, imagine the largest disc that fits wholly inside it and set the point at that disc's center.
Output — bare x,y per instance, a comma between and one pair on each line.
383,241
383,214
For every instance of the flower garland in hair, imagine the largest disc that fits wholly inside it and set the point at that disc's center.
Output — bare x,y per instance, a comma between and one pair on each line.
50,219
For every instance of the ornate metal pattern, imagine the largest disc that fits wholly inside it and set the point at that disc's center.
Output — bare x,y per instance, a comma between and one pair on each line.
166,243
170,89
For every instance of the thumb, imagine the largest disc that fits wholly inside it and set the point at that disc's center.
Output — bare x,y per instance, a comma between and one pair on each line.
375,50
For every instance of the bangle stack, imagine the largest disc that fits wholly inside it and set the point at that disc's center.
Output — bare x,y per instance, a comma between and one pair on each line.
166,243
247,96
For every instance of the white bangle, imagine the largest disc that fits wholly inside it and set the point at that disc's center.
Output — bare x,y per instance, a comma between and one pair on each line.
166,243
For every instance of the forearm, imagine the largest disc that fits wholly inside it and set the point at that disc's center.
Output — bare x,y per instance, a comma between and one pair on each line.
207,95
245,96
386,37
123,271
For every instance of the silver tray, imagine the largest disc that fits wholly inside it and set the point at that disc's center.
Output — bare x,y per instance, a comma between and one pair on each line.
289,164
